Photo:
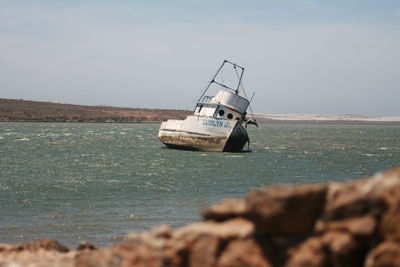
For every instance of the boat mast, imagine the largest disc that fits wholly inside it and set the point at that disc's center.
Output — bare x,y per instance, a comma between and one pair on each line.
213,80
223,85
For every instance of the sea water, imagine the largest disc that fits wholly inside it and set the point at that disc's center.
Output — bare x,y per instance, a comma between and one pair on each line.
97,182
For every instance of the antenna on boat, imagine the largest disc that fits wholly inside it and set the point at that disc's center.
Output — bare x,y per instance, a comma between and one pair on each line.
252,120
252,97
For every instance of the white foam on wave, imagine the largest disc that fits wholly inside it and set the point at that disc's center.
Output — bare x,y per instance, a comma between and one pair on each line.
112,181
23,139
11,133
148,183
46,135
4,187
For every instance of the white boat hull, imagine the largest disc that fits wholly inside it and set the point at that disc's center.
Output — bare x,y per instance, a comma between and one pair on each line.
204,134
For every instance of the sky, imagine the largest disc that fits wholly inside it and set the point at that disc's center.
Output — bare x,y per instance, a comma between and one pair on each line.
303,56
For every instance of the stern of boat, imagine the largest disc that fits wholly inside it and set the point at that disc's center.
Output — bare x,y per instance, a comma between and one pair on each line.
237,139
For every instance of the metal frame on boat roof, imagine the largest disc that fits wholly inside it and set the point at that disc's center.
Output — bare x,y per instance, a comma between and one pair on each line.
221,84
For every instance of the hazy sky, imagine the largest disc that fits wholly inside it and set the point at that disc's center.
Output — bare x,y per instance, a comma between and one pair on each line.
301,56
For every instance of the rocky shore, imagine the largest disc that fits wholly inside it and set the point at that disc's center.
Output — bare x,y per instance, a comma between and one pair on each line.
351,224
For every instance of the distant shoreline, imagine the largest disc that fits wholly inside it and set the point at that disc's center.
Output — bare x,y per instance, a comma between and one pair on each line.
13,110
340,122
108,122
326,119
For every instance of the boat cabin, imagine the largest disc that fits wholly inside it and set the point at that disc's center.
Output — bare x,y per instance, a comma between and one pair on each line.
225,105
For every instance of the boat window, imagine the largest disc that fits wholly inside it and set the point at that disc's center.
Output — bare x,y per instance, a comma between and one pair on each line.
230,116
221,112
201,106
237,118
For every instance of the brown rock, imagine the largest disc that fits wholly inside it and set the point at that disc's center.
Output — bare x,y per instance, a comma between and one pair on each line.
44,244
363,197
334,248
343,249
243,253
389,227
275,210
124,254
153,248
359,206
275,248
310,253
163,231
359,226
38,253
286,210
195,245
85,246
387,254
203,251
237,228
352,200
227,209
199,244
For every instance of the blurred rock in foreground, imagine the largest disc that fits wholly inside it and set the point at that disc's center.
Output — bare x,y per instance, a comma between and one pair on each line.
353,224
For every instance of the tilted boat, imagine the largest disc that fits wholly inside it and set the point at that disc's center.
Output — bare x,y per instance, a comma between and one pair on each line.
218,123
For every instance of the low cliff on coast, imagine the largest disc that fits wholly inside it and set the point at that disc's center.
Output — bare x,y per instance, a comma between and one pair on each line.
35,111
351,224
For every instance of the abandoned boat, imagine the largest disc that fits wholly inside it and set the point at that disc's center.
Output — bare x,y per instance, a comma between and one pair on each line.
219,122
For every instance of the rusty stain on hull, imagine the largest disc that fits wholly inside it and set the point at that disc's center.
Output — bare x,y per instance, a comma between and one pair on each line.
190,142
234,142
